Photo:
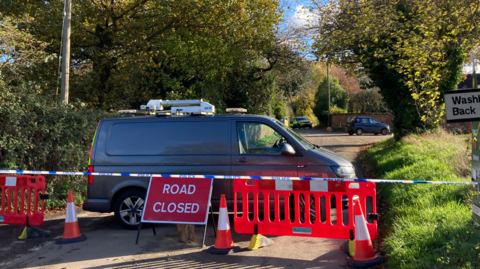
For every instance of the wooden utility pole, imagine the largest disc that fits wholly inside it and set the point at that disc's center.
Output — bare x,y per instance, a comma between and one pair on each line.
328,88
67,19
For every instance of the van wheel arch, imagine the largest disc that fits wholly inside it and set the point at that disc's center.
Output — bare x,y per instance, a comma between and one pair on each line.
120,192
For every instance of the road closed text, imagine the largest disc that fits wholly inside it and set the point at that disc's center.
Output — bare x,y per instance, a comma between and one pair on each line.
172,207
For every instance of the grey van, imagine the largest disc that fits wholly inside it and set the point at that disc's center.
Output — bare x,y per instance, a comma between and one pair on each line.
247,145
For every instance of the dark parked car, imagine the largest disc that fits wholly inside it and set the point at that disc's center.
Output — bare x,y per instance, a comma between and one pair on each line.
360,125
233,144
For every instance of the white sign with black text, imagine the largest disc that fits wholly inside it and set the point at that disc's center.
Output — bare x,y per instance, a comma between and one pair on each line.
462,105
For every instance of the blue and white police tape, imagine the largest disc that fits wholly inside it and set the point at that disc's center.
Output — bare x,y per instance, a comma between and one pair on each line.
23,172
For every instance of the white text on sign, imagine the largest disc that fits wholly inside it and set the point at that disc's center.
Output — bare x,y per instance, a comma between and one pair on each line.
180,207
174,189
172,207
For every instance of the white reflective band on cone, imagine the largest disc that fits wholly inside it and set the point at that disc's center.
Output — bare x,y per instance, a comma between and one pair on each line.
71,213
223,222
361,232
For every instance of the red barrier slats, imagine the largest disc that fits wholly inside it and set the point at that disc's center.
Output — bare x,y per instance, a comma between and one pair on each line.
29,201
328,209
245,204
287,207
350,210
43,202
296,204
318,209
266,206
35,200
15,206
276,196
235,204
2,202
9,200
339,209
363,204
22,201
307,210
255,206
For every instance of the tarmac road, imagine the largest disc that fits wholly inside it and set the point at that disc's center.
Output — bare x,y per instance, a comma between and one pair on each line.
110,246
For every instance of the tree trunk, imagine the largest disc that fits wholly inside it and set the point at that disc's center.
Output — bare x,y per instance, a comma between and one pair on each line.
186,233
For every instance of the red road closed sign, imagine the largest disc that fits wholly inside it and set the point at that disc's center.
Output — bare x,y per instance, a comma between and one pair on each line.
177,200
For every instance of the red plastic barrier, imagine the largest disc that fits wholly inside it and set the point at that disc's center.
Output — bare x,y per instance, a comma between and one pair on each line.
273,215
20,198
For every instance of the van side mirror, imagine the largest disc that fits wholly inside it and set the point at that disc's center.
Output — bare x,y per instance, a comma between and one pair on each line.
288,150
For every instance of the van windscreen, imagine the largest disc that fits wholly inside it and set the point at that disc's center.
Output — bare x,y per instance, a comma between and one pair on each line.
168,138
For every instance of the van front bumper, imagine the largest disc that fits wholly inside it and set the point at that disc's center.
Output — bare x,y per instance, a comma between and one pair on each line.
97,205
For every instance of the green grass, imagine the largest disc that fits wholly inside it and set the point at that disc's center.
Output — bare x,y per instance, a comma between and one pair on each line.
426,226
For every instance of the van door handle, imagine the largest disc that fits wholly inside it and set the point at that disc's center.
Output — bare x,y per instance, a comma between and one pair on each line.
301,166
242,160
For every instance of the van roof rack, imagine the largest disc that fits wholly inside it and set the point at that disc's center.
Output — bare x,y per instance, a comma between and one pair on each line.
177,107
236,111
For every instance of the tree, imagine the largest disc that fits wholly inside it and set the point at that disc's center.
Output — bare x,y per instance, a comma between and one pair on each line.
413,50
349,83
126,52
338,96
366,101
303,102
21,53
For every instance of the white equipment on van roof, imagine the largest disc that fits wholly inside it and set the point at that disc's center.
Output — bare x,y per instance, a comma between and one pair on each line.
177,107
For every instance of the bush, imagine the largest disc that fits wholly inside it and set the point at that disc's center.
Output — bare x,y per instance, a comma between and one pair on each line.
36,134
426,226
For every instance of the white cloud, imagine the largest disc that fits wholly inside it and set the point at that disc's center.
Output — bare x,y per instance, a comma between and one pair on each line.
302,18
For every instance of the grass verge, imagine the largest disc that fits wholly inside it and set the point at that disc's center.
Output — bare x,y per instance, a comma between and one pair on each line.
426,226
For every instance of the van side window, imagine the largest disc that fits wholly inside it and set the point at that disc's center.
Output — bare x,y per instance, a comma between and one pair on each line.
258,139
169,138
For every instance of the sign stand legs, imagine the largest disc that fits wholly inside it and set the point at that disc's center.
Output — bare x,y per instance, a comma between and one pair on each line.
140,229
138,233
206,225
213,220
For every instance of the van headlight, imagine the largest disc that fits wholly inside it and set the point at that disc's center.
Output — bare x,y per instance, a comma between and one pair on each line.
344,171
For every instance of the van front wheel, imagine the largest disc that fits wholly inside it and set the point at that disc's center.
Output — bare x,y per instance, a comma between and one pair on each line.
129,208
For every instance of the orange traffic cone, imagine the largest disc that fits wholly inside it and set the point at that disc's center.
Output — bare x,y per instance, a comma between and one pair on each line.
364,253
71,232
224,243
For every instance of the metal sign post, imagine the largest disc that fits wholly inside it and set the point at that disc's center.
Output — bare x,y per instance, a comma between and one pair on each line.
464,106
